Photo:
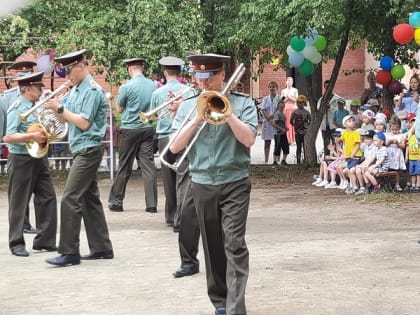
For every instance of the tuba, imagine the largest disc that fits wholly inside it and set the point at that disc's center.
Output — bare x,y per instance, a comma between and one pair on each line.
48,123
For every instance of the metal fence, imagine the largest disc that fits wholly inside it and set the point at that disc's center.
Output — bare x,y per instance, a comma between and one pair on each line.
68,156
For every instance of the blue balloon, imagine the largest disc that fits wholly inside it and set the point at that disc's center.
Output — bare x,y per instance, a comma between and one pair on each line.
296,59
311,36
386,62
414,19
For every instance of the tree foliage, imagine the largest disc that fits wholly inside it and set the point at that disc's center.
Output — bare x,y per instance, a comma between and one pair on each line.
248,29
112,30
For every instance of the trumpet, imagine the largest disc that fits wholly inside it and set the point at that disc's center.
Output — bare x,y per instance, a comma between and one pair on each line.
213,107
153,114
48,124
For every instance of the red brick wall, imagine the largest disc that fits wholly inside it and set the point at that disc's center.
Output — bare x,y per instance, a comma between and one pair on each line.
58,81
347,86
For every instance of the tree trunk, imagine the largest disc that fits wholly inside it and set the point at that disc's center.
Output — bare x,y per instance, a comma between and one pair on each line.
317,113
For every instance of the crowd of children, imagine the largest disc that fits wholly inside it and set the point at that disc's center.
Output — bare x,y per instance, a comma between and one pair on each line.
362,151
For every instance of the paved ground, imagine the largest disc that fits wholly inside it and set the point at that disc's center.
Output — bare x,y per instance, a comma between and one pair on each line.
309,255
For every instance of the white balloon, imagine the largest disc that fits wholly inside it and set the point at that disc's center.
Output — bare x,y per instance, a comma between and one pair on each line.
317,58
290,50
309,52
12,6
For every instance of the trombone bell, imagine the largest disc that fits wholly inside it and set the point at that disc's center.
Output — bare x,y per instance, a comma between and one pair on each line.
214,107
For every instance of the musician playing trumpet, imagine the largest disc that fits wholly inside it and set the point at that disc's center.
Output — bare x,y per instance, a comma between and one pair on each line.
27,174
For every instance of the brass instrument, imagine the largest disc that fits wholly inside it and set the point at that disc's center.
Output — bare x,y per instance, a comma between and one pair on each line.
153,114
213,107
48,123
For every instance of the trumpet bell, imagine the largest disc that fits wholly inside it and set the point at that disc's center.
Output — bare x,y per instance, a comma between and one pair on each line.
214,107
35,149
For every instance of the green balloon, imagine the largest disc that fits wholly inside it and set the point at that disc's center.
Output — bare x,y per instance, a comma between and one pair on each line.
397,72
320,43
306,68
297,43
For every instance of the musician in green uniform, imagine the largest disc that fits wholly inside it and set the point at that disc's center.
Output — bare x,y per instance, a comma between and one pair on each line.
29,175
219,161
136,137
85,112
171,71
7,98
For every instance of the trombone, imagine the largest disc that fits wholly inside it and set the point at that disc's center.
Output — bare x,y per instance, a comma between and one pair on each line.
213,107
153,114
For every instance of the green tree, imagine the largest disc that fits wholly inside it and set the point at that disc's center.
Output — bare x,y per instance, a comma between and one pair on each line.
263,29
113,30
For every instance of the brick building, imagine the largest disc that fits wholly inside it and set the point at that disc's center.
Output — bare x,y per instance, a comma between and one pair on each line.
348,86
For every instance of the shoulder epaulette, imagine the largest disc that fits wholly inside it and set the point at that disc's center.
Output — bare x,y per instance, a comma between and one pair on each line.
240,94
14,105
12,90
94,85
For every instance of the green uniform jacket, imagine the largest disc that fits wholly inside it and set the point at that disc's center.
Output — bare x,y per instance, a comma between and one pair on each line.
87,99
217,157
134,97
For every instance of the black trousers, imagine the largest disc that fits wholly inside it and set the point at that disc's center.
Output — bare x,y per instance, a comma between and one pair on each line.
27,176
81,199
281,144
222,212
169,186
189,230
300,140
133,141
327,137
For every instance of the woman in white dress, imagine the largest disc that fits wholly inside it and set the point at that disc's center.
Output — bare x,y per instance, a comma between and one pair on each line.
268,108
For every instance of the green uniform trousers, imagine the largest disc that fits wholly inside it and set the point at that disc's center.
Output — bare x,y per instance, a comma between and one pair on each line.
222,212
81,200
133,141
29,175
189,230
169,187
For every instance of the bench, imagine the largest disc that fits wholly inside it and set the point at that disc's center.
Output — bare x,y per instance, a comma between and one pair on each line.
387,179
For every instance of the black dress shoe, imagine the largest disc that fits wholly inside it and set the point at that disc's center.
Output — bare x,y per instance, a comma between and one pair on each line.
176,228
29,230
220,311
151,210
185,271
64,260
46,248
20,252
109,254
115,208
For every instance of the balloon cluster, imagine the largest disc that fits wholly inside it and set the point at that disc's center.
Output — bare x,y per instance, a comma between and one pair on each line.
390,74
405,32
304,53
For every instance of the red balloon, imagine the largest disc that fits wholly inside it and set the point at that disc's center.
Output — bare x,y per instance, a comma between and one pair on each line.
383,77
395,87
403,33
